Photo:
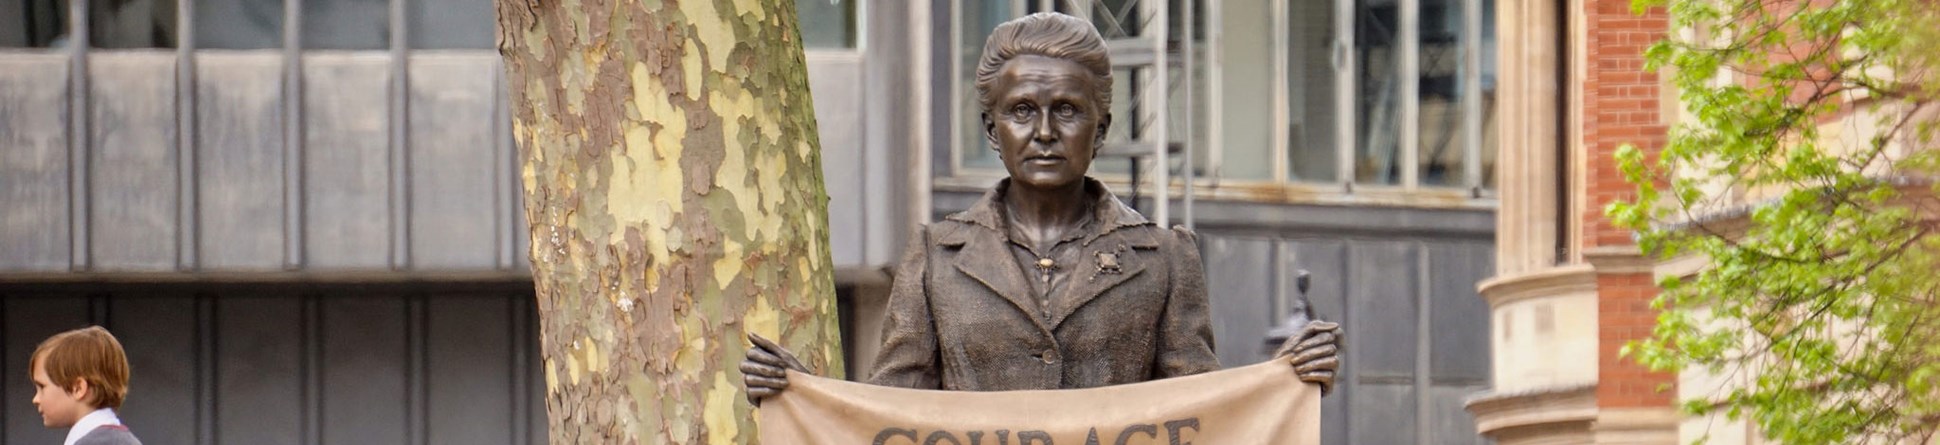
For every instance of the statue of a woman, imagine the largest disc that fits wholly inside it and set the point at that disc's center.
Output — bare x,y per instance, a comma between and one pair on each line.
1048,281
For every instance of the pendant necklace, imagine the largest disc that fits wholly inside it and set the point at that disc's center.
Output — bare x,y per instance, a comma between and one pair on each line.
1044,268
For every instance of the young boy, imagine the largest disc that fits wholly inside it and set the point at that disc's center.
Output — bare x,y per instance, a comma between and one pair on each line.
80,377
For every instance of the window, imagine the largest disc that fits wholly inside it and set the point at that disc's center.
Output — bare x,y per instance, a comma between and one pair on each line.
131,24
239,24
32,23
1313,114
348,24
451,24
827,24
1337,96
975,20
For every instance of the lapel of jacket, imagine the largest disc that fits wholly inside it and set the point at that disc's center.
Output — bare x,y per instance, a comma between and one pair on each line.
987,259
1133,250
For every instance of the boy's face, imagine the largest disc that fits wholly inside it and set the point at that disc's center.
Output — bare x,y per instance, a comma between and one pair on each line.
58,408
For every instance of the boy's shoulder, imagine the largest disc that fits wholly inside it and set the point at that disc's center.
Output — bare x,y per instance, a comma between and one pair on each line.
109,435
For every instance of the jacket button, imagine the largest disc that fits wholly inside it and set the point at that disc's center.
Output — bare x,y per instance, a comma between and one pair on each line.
1049,357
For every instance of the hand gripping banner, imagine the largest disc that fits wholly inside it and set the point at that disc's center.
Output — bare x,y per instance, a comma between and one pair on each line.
1258,404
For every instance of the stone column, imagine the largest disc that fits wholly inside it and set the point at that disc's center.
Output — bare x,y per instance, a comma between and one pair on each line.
1527,98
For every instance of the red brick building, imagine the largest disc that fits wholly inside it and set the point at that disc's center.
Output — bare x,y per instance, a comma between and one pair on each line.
1571,289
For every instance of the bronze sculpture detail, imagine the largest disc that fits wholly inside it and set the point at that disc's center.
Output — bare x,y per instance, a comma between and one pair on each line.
1048,281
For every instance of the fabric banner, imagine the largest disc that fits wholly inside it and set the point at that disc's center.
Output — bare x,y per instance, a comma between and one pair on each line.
1259,404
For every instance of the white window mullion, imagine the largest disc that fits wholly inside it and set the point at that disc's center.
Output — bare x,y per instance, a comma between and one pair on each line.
1216,91
1410,93
1281,103
956,89
1153,103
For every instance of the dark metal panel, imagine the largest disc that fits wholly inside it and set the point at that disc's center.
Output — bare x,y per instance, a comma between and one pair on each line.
835,79
417,411
1451,424
310,365
535,376
521,234
1334,416
519,324
27,321
451,164
346,206
1242,300
33,162
1459,323
1381,315
1326,262
133,201
469,344
363,367
239,118
205,369
158,334
1384,415
259,379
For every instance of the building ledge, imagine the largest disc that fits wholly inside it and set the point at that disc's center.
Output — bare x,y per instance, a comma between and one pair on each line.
1568,409
1559,280
1619,259
1658,422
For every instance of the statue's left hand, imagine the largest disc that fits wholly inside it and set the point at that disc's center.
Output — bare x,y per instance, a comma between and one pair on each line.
1316,353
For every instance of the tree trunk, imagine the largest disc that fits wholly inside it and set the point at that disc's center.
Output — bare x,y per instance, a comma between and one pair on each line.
673,183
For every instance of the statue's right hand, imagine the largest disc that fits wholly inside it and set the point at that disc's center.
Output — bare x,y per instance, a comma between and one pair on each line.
765,370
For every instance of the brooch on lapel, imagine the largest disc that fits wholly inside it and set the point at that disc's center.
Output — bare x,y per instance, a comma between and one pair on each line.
1108,262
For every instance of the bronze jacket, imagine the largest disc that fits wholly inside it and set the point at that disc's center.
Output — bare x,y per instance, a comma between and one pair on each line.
962,317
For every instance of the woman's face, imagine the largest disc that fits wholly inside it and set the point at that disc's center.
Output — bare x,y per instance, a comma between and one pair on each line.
1043,121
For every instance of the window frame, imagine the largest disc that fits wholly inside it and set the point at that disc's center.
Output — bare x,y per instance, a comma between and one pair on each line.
1471,192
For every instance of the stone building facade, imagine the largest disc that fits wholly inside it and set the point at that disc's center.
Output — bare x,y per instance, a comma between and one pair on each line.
1569,288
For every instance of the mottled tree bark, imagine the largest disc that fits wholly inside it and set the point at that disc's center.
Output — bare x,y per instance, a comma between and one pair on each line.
674,187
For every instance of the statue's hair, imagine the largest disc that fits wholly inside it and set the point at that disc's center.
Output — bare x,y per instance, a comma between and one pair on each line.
1047,34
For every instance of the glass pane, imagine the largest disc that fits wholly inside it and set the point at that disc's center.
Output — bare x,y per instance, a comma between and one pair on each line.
1114,19
1376,28
1247,99
1442,149
979,18
132,24
1490,143
1313,155
827,23
346,24
451,24
239,24
1124,105
33,23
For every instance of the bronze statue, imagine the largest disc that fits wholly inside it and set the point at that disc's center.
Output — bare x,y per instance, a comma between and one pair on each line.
1048,281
